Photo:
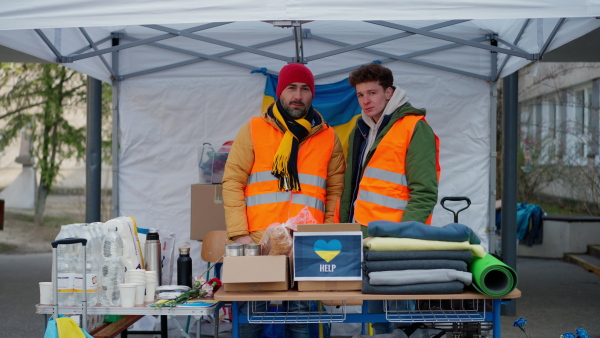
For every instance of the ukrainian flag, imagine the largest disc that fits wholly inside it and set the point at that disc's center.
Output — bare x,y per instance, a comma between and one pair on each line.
335,101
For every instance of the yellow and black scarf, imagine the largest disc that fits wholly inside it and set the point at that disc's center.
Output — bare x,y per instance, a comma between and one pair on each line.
285,162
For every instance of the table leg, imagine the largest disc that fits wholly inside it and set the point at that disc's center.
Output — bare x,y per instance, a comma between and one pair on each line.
496,314
164,330
235,326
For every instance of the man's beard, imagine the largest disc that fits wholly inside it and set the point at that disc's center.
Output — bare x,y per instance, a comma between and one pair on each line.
296,113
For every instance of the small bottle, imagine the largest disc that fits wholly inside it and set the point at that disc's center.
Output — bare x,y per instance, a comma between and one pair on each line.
153,255
184,265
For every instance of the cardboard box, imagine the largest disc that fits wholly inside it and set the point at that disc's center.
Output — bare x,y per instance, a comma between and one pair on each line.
207,213
330,284
256,273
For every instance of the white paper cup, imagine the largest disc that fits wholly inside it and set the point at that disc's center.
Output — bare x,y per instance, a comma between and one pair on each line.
135,280
135,276
46,293
139,293
128,293
151,277
150,291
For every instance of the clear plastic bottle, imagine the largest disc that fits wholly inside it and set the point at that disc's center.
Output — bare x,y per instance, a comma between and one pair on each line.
96,229
65,269
92,269
113,269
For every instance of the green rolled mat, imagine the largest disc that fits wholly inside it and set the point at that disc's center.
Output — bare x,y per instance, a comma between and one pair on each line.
492,277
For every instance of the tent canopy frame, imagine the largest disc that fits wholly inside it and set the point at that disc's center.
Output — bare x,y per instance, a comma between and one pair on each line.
299,34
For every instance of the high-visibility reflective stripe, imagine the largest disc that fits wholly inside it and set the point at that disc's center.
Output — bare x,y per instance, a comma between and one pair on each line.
273,197
261,176
276,197
386,201
308,201
385,175
265,176
312,180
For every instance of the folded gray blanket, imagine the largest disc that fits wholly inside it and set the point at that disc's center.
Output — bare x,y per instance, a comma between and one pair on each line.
413,289
453,232
461,255
371,266
407,277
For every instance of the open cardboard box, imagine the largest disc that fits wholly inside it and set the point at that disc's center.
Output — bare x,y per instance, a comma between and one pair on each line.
256,273
328,285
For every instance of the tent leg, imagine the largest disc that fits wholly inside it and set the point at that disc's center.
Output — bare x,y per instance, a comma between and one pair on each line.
93,161
509,177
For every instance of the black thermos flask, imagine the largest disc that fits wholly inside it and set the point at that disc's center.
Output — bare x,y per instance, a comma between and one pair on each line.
184,265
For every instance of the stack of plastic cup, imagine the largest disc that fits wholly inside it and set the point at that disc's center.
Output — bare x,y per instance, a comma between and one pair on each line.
137,277
151,282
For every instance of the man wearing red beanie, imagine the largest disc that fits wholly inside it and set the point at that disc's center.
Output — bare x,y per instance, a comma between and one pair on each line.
286,160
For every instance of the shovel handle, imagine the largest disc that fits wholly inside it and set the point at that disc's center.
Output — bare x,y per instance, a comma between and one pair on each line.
455,199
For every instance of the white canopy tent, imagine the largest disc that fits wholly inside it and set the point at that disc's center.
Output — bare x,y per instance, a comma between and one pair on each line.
181,71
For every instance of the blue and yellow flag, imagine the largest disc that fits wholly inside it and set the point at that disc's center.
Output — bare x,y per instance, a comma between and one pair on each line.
335,101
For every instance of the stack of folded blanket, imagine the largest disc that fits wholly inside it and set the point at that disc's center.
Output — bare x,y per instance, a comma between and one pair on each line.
415,258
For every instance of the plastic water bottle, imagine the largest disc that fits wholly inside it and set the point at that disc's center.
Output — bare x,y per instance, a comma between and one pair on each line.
91,269
113,269
65,269
96,229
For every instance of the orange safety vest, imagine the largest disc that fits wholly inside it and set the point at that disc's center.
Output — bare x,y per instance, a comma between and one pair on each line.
265,203
383,191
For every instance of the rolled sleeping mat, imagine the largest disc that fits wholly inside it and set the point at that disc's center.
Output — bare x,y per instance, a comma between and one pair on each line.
492,277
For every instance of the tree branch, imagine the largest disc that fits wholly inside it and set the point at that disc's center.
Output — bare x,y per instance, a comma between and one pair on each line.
20,110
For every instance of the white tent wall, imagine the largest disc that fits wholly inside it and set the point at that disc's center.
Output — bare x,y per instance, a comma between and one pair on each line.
165,120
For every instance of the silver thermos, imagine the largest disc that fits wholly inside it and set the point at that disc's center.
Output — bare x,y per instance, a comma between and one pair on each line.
152,254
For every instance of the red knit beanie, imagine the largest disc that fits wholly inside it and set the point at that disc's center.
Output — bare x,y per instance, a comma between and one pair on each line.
295,72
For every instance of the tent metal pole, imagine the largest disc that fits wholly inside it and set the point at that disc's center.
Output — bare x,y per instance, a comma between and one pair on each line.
551,37
349,47
93,151
521,31
405,58
423,32
510,126
73,58
201,57
95,47
86,48
506,43
409,60
189,35
115,130
59,56
492,241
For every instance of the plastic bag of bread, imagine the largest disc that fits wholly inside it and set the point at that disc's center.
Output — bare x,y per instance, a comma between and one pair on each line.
277,239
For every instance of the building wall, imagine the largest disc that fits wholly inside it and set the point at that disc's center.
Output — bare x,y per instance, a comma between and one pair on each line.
559,125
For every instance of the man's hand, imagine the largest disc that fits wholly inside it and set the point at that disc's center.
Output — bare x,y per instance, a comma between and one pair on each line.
244,240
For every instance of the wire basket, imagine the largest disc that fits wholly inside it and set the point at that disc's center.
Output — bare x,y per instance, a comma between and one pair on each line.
433,310
305,312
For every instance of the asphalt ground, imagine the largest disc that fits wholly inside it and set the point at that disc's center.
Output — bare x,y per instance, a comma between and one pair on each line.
557,297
